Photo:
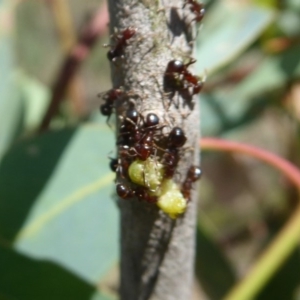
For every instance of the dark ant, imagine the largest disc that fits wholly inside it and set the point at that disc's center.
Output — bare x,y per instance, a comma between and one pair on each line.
193,174
125,192
196,8
131,120
144,137
179,78
152,120
135,135
121,43
132,115
120,166
146,145
114,163
137,141
176,139
110,98
142,195
144,148
128,129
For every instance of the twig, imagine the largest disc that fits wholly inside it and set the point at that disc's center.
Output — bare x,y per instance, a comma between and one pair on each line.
67,35
95,29
157,253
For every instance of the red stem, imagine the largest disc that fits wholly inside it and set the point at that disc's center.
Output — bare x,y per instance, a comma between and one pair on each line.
279,163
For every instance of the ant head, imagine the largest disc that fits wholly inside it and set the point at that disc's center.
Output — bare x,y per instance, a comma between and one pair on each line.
132,115
175,66
111,55
123,191
151,120
176,137
113,164
194,173
105,110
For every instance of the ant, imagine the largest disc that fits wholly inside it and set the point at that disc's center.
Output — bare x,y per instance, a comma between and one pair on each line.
129,132
196,8
178,77
144,148
146,145
121,43
193,174
120,166
113,165
125,192
142,195
110,98
140,138
176,139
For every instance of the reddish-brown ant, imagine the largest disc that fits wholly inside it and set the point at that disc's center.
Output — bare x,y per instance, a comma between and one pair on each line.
126,192
128,129
142,195
121,43
179,78
193,174
176,139
196,8
146,146
139,137
144,136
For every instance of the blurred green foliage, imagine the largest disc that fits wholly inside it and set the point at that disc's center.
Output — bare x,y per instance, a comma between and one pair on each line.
58,222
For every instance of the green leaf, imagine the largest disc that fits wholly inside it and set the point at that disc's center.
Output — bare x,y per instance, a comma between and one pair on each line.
227,31
24,173
272,73
101,296
285,282
26,278
10,104
289,23
35,97
225,109
55,193
212,269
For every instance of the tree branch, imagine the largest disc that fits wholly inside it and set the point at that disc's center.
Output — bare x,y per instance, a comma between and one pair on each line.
157,253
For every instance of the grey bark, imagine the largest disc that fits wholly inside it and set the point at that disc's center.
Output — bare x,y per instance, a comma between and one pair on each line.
157,253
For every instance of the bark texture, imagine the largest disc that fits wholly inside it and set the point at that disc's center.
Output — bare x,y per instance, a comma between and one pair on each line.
157,253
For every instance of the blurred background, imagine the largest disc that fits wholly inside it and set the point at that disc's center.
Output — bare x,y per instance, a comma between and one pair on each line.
58,215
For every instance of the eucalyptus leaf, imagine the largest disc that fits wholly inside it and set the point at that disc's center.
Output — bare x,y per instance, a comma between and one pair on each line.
11,108
56,204
35,97
25,278
229,28
224,109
